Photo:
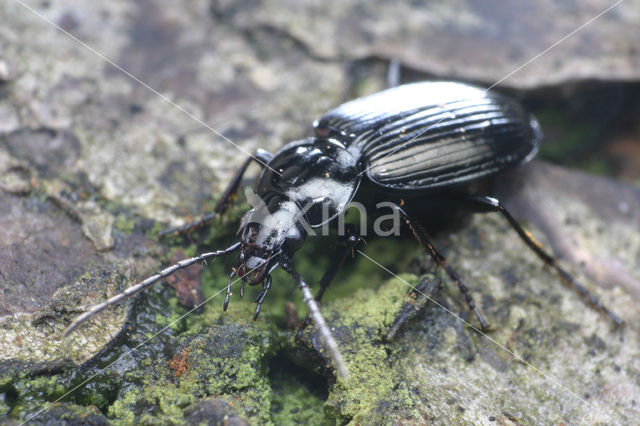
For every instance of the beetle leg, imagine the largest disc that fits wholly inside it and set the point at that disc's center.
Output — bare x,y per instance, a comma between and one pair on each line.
321,325
146,283
259,296
265,290
226,298
484,203
351,239
421,235
260,156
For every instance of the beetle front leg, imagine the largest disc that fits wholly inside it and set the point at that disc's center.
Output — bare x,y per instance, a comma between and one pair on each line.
260,156
488,204
327,338
421,235
351,239
266,286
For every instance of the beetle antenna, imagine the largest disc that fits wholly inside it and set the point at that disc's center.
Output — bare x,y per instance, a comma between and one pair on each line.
321,325
146,283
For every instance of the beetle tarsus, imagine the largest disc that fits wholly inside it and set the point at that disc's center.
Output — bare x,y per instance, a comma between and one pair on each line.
490,204
467,295
586,295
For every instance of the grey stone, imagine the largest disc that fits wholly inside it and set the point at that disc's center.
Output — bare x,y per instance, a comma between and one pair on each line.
487,41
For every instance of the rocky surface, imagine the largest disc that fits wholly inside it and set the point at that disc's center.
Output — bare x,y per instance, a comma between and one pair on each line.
484,41
93,162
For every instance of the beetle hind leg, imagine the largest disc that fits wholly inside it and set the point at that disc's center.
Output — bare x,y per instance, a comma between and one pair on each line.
484,204
421,235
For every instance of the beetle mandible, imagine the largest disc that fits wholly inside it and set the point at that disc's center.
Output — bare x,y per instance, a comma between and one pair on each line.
415,139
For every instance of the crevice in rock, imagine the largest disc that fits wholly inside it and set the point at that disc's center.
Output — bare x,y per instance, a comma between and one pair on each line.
291,384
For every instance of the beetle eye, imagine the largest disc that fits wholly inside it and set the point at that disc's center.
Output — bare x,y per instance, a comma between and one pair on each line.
294,238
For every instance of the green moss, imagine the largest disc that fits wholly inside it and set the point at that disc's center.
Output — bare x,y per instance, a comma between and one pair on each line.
230,356
155,399
4,407
45,387
367,314
173,315
227,362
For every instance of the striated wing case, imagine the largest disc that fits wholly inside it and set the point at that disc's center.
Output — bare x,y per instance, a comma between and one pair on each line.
433,134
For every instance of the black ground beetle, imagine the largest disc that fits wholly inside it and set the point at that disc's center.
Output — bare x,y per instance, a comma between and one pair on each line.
416,139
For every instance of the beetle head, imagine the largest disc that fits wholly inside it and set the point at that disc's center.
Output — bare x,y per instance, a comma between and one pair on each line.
269,231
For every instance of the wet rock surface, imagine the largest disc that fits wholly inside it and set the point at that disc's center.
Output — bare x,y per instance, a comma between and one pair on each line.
93,163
